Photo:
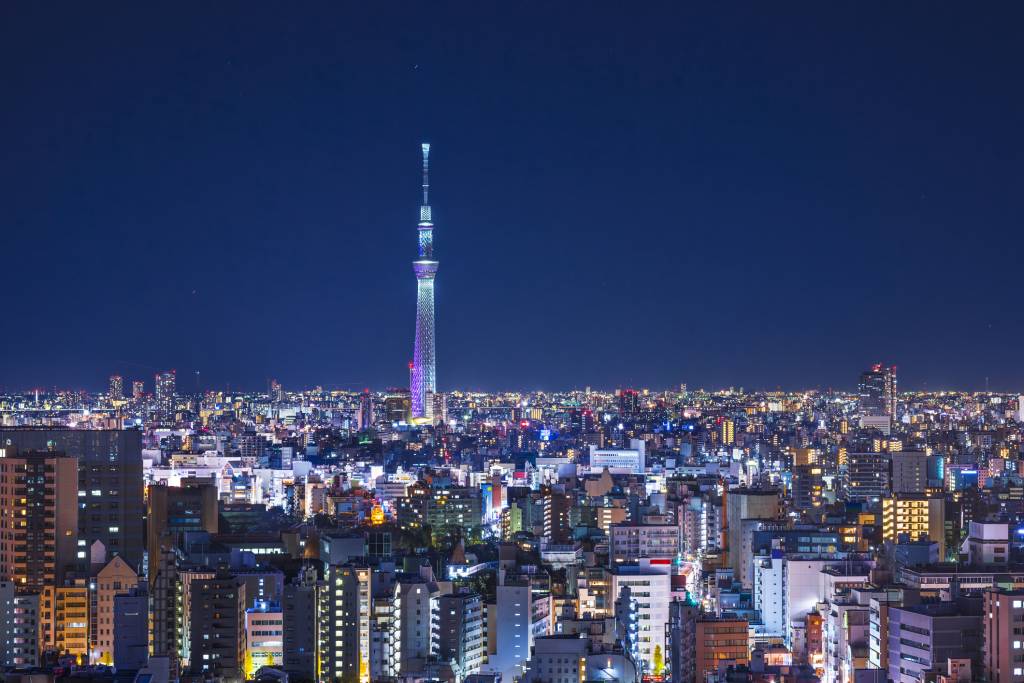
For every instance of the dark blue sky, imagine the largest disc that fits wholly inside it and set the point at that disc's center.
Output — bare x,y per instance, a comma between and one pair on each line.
776,194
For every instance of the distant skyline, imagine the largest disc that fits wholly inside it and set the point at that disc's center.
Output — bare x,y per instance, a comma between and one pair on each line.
756,196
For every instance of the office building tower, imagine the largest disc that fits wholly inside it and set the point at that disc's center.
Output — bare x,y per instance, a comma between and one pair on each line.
910,471
424,368
110,487
176,510
398,405
299,617
165,401
138,389
114,579
808,486
866,477
38,518
460,635
165,610
365,410
344,624
116,390
681,638
131,617
877,391
440,408
217,626
629,402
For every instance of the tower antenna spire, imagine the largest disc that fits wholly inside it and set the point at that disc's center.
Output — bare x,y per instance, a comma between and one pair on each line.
426,176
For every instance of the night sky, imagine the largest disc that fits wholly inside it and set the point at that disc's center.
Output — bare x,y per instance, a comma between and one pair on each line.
778,194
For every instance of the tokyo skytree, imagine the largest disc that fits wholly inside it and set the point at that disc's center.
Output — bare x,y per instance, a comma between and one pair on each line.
424,368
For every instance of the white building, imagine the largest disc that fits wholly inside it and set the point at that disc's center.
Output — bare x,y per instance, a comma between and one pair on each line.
632,460
651,587
769,594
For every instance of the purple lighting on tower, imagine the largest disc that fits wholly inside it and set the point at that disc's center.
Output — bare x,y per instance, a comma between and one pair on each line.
423,378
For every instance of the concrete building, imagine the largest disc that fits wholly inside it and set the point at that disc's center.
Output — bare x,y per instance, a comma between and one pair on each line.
720,641
20,627
631,542
39,520
416,593
1004,639
510,627
264,636
110,504
988,543
866,477
923,637
744,503
650,580
458,633
217,626
344,623
64,621
131,614
299,617
632,460
114,579
914,516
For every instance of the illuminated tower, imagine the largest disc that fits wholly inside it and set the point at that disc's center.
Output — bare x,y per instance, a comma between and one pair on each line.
424,370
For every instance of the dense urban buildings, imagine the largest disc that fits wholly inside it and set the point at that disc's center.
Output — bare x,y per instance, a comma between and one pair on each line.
325,535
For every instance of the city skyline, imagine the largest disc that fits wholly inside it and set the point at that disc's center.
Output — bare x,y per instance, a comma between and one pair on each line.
692,200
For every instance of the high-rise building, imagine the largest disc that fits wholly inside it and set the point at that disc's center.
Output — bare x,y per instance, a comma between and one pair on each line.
110,496
175,510
366,416
138,389
681,640
131,617
39,518
299,616
866,477
877,390
808,486
1002,645
116,392
741,504
424,368
217,626
165,383
460,635
344,624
